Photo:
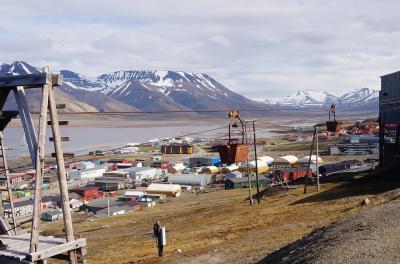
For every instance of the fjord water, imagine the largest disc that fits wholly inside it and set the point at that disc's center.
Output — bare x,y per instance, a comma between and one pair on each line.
84,139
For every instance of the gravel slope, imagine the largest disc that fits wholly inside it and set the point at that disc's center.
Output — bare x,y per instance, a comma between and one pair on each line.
373,236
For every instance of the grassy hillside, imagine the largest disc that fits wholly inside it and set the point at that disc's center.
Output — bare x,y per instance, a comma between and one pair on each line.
220,226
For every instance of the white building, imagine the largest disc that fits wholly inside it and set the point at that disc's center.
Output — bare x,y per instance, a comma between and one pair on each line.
87,174
139,174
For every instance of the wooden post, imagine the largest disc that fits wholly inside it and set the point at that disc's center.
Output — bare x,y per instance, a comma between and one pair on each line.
39,166
26,121
256,161
248,166
309,160
69,232
316,160
7,173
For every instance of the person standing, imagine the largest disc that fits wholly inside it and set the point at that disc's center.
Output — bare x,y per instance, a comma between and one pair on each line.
157,231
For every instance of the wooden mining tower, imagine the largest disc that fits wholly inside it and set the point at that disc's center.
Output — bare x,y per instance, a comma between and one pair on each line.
31,247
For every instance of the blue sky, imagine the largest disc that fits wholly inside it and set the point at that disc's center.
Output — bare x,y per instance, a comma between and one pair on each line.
259,48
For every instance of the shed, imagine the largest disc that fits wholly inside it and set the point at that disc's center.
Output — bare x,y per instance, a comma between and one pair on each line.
170,190
292,174
190,179
238,183
52,215
156,197
134,194
233,175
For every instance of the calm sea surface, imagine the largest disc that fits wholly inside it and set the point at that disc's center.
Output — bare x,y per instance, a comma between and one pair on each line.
85,139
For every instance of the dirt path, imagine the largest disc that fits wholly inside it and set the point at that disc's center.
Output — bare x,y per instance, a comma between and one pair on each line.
373,236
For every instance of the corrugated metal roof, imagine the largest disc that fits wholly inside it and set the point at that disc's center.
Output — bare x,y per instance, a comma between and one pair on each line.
245,179
286,159
164,187
313,159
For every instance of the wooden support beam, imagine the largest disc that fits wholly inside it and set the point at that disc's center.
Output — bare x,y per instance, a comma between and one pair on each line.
56,250
82,255
3,96
65,155
60,123
5,118
11,114
26,121
62,177
7,173
51,139
27,80
60,106
56,79
39,165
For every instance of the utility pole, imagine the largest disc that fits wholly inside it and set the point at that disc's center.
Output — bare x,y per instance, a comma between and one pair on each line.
309,159
108,200
247,166
316,159
108,204
255,159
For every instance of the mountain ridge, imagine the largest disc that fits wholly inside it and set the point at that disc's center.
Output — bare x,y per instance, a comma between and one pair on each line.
361,97
166,90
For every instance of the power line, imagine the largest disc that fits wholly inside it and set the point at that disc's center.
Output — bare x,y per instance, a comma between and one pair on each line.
183,111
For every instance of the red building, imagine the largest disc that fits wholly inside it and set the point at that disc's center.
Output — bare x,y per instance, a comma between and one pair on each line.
292,174
16,177
88,193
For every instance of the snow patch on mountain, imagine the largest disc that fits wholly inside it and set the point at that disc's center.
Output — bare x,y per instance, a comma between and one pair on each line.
359,96
303,98
321,98
17,68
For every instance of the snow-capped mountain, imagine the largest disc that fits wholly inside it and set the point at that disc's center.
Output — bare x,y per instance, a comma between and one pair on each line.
17,68
364,97
163,90
156,90
359,96
303,99
34,96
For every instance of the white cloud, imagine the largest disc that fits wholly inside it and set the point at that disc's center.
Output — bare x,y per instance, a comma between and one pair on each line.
259,48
